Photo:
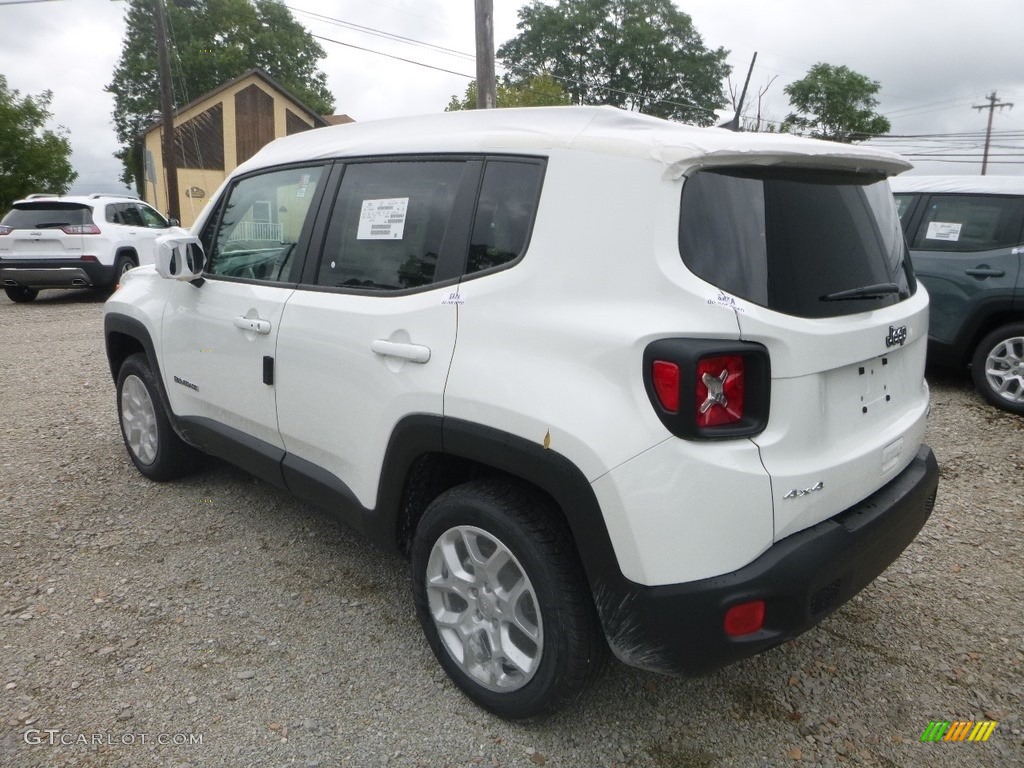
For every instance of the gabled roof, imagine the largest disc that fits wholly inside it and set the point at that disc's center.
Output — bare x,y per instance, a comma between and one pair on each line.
318,120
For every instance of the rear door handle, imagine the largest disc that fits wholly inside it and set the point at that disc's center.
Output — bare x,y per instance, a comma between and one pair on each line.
253,324
984,272
414,352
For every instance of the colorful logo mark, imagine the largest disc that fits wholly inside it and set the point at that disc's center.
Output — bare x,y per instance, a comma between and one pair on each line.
965,730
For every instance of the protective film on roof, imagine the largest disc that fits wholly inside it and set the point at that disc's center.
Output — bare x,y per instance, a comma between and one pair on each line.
679,148
991,185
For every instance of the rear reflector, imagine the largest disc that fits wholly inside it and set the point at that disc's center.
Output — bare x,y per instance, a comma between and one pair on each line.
744,618
89,258
665,376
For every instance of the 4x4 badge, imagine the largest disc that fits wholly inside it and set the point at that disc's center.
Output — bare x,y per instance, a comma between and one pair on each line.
897,336
796,493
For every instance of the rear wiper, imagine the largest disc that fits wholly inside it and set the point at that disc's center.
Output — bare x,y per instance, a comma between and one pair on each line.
864,292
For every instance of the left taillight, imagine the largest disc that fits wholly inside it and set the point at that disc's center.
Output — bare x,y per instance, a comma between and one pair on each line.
704,389
80,229
5,230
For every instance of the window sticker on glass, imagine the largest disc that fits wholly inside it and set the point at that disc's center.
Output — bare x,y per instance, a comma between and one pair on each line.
943,230
382,219
303,184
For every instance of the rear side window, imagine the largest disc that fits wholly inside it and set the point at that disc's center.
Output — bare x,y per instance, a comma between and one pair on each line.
47,215
504,214
966,223
904,206
798,242
389,223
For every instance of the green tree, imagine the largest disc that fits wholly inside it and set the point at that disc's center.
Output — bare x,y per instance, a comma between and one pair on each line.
835,103
643,55
212,41
539,91
32,157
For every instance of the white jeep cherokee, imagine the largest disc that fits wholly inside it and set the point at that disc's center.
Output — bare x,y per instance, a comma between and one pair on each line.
75,241
608,381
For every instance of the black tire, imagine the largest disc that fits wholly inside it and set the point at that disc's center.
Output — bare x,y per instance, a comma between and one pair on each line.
20,294
541,567
154,447
122,264
998,368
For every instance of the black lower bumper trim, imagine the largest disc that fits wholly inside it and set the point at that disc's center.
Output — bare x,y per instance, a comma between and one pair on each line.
55,273
678,629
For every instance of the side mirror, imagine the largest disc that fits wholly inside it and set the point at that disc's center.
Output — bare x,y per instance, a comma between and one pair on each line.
180,257
173,222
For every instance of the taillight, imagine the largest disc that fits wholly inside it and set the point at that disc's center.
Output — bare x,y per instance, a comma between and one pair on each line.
744,618
80,229
721,389
704,389
5,230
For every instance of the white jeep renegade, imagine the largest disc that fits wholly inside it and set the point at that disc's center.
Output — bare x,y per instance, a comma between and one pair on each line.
607,381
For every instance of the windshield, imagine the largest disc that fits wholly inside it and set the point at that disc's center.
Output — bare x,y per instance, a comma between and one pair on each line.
805,243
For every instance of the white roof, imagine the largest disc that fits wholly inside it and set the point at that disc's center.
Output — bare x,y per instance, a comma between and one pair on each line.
992,185
680,148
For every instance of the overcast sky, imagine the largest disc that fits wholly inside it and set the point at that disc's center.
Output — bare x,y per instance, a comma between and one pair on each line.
935,60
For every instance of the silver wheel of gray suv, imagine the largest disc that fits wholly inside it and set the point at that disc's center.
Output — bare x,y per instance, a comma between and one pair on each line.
998,367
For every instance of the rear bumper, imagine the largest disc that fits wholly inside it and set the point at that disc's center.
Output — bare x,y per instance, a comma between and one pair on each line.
678,629
55,273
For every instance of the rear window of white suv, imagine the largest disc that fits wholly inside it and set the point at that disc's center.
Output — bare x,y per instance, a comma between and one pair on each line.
801,243
50,215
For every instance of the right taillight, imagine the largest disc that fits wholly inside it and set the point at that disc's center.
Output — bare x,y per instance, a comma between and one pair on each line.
705,389
5,230
80,229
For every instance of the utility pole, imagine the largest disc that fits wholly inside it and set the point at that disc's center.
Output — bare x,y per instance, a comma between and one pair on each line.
486,85
991,107
735,125
170,160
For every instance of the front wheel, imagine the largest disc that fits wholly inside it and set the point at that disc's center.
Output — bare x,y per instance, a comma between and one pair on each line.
502,598
20,294
998,368
152,444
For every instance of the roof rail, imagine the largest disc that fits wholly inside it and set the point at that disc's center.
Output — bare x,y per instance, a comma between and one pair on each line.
126,195
37,195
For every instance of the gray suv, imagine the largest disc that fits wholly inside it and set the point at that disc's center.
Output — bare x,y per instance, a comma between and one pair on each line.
966,238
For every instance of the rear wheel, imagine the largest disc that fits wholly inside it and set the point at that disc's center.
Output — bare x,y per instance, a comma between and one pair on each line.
998,367
502,598
20,293
122,264
152,444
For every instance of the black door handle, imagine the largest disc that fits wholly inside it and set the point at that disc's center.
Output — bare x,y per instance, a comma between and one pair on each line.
984,272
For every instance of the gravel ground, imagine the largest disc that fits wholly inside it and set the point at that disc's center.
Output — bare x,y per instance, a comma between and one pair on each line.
217,622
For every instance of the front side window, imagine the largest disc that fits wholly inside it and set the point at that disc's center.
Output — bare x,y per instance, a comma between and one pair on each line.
389,223
805,243
152,219
258,225
967,223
